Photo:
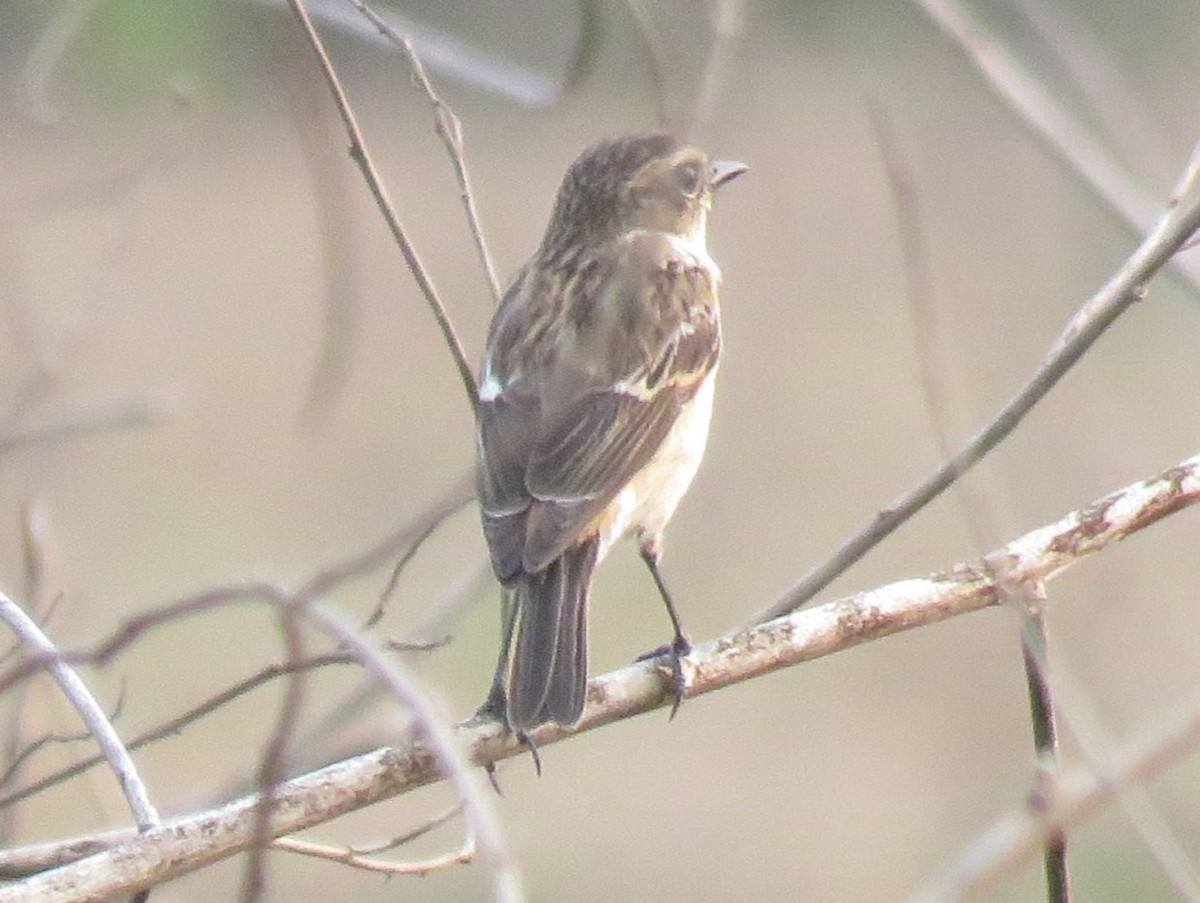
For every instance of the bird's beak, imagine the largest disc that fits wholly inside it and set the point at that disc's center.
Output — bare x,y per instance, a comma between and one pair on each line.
726,171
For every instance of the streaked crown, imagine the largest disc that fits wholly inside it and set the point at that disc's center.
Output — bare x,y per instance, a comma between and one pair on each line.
639,181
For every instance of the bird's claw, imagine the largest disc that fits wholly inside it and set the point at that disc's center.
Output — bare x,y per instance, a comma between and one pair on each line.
672,670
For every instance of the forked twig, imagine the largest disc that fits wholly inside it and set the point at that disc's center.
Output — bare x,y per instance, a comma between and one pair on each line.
176,725
360,155
345,856
449,129
365,857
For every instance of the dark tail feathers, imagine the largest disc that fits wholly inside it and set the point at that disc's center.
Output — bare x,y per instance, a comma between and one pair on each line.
548,676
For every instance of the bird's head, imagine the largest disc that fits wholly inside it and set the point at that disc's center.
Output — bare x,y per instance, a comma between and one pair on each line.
641,181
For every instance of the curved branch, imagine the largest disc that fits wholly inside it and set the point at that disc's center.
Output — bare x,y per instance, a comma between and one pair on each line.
90,712
190,842
449,129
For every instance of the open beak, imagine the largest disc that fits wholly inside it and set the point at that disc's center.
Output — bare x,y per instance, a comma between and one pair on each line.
726,171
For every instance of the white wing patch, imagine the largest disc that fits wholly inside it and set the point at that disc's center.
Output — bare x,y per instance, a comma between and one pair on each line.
635,388
490,387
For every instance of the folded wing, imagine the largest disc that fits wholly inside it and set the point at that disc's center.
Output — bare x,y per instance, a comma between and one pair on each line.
577,409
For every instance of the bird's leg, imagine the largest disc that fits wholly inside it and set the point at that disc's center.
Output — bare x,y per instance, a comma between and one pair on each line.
680,645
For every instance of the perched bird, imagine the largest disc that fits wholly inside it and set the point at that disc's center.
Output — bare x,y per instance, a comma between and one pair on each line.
595,398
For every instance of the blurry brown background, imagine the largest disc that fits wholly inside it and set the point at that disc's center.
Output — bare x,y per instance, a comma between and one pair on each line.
162,238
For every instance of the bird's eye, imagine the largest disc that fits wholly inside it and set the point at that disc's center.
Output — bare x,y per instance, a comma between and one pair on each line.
689,175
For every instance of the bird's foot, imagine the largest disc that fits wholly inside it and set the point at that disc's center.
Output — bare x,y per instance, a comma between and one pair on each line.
495,708
672,669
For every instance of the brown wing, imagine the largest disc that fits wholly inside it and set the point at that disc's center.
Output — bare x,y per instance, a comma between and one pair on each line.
503,433
657,333
576,473
589,403
508,415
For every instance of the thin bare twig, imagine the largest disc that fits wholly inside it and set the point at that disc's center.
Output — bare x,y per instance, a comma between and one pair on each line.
1176,225
195,840
270,770
16,759
90,711
409,836
325,581
437,613
406,556
483,825
360,155
137,626
449,129
447,503
440,750
1134,802
357,860
363,857
176,725
1122,112
1030,600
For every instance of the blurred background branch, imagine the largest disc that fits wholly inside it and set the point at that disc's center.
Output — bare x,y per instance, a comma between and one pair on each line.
195,840
178,221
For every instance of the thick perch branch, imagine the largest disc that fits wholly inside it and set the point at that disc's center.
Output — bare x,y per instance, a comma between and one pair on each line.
193,841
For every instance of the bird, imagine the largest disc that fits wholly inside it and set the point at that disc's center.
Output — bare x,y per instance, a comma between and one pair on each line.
594,404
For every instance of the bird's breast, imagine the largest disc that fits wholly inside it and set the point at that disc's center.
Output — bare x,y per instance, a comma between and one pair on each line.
649,500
